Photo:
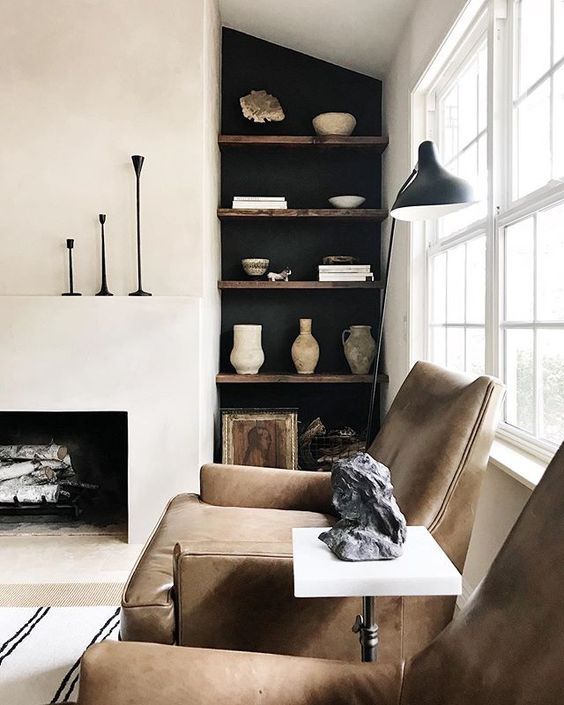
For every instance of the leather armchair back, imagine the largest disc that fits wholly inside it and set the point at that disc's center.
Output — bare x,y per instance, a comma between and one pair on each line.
507,646
436,440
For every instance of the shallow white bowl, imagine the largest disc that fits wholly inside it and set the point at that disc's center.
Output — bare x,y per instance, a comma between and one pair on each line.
347,201
342,124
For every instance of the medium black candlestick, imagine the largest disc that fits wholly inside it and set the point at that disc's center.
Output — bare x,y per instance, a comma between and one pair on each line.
104,291
71,291
137,165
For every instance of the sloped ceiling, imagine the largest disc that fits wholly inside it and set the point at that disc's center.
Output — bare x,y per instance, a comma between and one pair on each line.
358,34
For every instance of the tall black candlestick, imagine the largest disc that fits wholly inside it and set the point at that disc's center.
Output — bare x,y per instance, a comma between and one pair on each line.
71,291
137,165
104,291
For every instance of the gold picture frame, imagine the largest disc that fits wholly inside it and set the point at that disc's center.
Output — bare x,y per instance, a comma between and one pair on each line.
260,437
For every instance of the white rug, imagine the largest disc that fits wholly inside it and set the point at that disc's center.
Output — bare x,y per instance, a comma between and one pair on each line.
40,650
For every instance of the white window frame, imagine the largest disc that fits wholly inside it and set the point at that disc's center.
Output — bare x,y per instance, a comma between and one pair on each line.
496,18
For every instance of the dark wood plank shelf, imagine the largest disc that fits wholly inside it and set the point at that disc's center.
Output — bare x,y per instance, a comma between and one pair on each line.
372,214
375,143
232,378
236,284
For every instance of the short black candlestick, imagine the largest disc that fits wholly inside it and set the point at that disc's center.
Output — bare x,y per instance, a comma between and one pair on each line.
137,165
104,291
71,291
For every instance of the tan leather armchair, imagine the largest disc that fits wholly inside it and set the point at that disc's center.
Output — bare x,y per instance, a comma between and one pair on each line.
506,647
217,571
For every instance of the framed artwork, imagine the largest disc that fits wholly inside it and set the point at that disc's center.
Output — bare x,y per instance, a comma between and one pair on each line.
262,437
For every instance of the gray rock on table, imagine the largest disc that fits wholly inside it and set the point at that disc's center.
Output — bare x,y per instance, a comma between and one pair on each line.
372,526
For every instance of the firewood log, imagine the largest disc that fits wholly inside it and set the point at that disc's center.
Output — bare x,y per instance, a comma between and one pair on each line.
52,451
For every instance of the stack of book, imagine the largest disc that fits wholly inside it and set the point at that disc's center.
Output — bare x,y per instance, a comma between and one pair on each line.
253,202
345,273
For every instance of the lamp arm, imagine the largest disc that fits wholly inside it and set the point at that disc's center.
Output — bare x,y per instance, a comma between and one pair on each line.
380,332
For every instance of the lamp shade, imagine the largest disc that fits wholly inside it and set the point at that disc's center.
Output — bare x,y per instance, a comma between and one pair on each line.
434,191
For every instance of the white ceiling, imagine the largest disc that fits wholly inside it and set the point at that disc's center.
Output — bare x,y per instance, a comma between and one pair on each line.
357,34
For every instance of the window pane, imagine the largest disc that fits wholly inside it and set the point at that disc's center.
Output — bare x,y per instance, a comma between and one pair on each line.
532,144
468,104
438,293
558,122
476,280
455,285
550,264
475,350
551,353
519,271
449,122
438,345
533,41
519,370
455,349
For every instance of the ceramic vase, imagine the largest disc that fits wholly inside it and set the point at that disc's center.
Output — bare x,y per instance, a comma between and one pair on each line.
360,348
305,350
247,355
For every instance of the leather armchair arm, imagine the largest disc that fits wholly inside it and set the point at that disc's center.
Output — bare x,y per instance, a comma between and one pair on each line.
130,673
269,488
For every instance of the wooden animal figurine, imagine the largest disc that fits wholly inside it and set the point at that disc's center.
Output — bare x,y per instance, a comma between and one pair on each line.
281,276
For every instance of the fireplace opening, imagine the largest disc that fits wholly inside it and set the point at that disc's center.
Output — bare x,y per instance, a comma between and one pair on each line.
63,472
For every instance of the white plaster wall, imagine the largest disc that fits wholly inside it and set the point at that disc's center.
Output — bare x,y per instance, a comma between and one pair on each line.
210,320
502,497
84,84
121,354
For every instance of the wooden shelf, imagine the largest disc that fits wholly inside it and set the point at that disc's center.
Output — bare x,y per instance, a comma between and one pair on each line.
231,378
236,284
376,143
371,214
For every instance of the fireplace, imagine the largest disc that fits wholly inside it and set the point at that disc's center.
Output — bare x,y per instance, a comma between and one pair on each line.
62,469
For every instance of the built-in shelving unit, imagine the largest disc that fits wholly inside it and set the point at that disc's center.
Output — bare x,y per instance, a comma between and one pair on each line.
286,159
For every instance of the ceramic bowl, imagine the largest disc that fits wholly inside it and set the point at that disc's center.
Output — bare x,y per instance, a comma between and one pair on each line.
334,124
255,266
347,201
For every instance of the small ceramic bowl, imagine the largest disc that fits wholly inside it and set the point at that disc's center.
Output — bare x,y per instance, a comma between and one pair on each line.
334,124
255,266
347,201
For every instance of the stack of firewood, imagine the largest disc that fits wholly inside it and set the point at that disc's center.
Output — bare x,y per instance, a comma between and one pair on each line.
31,474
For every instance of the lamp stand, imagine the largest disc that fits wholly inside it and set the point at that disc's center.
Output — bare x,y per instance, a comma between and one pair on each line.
370,430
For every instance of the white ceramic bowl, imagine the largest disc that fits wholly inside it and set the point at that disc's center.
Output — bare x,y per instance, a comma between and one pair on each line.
255,266
334,124
347,201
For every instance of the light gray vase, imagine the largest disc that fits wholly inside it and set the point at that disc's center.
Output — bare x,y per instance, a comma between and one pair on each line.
305,350
247,355
360,349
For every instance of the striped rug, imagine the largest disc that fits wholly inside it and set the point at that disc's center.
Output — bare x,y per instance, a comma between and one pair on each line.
40,650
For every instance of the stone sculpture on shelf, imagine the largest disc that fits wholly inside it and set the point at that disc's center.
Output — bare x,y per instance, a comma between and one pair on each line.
260,106
372,526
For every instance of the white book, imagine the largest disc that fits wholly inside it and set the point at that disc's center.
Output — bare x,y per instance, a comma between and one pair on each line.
351,268
259,198
249,205
346,277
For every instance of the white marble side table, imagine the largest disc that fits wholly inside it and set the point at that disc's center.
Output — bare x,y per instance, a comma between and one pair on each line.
423,569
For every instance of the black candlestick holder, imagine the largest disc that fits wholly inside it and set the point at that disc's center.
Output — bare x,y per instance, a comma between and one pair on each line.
104,291
71,291
137,165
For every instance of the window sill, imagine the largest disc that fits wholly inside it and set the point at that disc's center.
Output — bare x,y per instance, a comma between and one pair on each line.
519,465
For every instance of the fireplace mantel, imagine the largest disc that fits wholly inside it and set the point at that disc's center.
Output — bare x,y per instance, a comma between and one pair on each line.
138,355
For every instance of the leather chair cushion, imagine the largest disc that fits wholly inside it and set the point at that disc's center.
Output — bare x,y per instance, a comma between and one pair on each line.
147,603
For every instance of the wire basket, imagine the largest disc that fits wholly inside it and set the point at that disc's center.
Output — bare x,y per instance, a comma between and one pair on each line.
319,448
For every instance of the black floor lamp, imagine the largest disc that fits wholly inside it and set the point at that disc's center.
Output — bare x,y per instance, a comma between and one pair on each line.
430,192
